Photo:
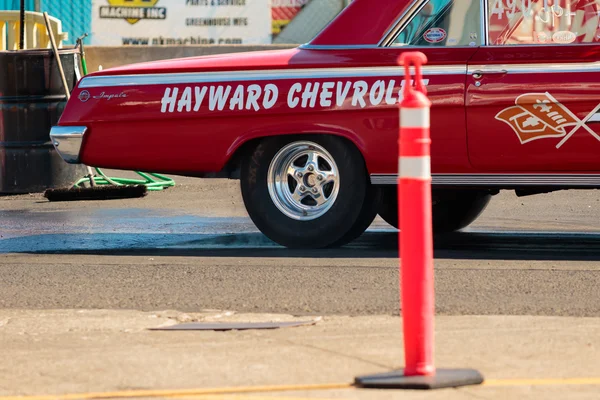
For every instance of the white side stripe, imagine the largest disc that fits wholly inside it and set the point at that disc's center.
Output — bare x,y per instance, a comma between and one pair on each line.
261,75
415,167
414,117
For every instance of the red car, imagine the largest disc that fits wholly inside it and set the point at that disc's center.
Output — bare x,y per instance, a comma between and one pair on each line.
312,132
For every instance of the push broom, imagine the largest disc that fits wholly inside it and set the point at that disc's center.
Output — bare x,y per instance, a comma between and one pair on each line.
94,192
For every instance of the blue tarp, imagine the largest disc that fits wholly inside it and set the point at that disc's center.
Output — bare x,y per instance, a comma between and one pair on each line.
15,4
76,15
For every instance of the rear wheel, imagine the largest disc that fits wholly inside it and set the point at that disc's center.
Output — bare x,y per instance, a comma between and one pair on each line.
452,210
309,191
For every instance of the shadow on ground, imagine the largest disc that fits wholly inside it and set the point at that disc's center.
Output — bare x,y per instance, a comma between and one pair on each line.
134,231
373,244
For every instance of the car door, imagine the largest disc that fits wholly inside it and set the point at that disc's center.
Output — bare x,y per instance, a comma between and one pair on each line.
448,33
533,94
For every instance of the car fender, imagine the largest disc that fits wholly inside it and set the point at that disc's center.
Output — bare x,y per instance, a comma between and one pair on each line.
296,130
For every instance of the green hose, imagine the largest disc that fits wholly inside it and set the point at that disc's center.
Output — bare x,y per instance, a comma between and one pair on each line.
152,181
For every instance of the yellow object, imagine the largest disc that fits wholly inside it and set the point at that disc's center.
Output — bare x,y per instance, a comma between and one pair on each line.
36,36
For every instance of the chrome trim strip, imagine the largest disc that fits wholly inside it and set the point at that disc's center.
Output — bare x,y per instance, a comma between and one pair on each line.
546,68
400,23
484,8
263,75
323,73
67,141
309,46
510,180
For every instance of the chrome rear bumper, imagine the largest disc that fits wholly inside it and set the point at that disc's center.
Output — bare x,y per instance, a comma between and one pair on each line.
67,141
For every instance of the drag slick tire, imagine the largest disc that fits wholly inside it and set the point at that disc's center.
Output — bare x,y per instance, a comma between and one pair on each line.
452,210
309,191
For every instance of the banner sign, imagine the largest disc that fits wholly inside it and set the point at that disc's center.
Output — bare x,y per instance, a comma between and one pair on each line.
283,11
180,22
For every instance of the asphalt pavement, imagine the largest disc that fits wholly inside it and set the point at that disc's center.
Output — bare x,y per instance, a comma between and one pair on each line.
80,284
193,247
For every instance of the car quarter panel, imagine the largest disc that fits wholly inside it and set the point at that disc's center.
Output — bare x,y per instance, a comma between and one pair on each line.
192,122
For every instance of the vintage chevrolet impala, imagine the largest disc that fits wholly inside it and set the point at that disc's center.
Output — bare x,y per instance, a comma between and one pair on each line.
312,132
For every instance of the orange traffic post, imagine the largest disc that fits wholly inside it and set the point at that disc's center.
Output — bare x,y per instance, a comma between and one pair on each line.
416,247
414,201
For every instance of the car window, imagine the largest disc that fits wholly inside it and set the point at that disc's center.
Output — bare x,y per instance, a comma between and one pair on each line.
444,23
513,22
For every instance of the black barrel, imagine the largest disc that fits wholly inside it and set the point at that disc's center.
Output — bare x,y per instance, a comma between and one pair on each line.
32,99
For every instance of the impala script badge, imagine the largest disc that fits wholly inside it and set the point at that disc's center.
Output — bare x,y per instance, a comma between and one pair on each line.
85,96
110,96
539,115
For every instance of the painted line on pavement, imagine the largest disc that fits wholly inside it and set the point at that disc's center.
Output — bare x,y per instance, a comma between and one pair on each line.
247,397
128,394
217,393
541,382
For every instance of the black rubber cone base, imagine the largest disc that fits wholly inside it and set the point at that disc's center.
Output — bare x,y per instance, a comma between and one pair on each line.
444,378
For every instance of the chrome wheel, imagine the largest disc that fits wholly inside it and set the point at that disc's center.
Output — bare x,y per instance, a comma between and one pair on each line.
303,181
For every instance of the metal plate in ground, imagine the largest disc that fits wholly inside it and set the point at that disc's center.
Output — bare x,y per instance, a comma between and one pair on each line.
229,326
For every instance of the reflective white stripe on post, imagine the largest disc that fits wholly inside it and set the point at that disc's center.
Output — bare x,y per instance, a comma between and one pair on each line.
414,117
414,167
